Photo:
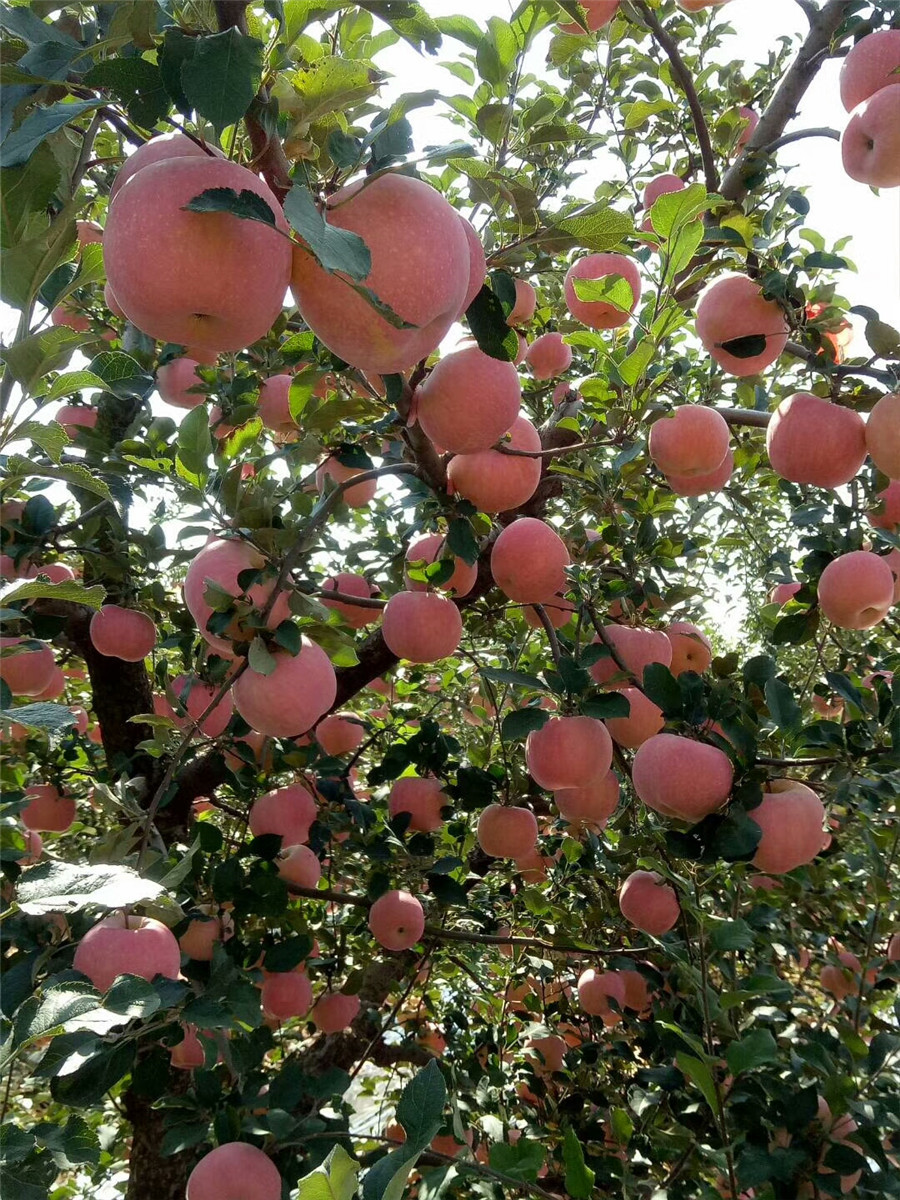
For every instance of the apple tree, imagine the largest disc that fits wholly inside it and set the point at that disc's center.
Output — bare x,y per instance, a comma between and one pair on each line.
451,737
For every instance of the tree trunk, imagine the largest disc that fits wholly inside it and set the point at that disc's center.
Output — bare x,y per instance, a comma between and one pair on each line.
152,1176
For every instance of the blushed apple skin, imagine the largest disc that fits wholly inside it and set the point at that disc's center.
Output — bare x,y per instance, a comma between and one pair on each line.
856,590
420,266
733,307
208,281
870,145
120,945
869,67
234,1171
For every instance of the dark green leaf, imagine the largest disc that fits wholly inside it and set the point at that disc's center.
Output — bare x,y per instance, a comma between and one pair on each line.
735,838
461,540
68,887
334,249
661,686
137,84
515,678
49,718
610,704
700,1074
244,204
487,320
579,1177
783,707
731,935
517,725
122,374
521,1160
744,347
221,78
259,657
753,1050
19,145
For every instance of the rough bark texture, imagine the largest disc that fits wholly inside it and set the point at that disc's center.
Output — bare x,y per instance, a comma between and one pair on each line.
153,1177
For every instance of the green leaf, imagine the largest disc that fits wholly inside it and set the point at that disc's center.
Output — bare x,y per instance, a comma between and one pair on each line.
673,210
699,1073
796,628
597,230
520,1160
194,445
335,1179
753,1050
735,837
611,289
515,678
496,54
72,1143
731,935
633,367
33,356
51,719
62,1007
517,725
661,686
783,708
487,320
69,887
682,247
222,77
579,1177
461,540
244,204
132,997
334,249
78,476
410,20
745,347
420,1112
51,438
259,658
137,84
69,589
844,688
122,374
610,704
883,339
19,145
71,382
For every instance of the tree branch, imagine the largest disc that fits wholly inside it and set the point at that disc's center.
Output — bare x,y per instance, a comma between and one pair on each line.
799,136
681,73
823,25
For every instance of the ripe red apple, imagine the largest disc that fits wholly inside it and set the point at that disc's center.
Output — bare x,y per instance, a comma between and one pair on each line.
856,590
234,1171
396,920
811,440
525,303
649,903
791,817
693,440
124,633
31,670
596,989
430,548
691,648
598,314
299,865
636,648
340,733
73,417
335,1011
360,495
733,307
597,13
871,65
548,356
68,317
158,149
528,561
286,994
750,121
568,752
420,266
291,698
47,811
202,933
349,584
783,592
507,832
175,381
275,406
592,804
889,505
422,798
477,264
498,482
469,401
195,697
883,434
120,945
287,811
220,562
208,281
870,145
678,777
637,993
643,721
188,1054
421,627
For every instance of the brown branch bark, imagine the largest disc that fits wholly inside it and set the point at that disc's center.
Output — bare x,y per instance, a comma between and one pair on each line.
683,75
783,107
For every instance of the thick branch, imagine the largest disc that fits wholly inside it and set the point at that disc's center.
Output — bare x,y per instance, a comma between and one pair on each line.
783,106
681,73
